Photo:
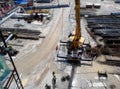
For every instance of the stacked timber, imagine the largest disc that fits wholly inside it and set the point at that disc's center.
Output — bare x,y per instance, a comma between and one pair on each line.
21,33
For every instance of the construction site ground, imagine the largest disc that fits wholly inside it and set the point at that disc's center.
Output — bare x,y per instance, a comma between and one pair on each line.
37,59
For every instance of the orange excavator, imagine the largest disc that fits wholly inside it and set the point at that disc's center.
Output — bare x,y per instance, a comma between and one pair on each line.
76,41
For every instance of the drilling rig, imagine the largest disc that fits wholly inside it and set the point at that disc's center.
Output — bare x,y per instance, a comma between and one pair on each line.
76,41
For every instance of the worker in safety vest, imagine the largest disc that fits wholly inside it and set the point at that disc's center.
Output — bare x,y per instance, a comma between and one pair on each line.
54,78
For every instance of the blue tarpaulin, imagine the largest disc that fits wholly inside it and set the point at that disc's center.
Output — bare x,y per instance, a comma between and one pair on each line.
21,1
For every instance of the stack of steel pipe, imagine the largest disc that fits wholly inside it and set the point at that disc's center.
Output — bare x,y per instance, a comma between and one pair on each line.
22,33
107,27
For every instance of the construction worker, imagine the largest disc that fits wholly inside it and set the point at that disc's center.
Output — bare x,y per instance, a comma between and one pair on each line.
54,78
56,47
53,73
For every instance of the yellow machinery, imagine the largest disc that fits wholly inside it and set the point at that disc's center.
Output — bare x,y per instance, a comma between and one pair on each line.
37,11
34,15
75,45
77,40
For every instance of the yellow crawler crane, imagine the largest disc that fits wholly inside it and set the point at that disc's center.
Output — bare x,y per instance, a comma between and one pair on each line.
77,40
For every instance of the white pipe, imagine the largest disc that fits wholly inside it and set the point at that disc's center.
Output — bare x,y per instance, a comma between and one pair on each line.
6,41
8,38
9,15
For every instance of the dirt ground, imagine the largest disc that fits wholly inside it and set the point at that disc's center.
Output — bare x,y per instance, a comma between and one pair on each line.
36,63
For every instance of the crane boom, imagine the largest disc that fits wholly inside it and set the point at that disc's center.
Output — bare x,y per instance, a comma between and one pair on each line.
77,14
77,40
